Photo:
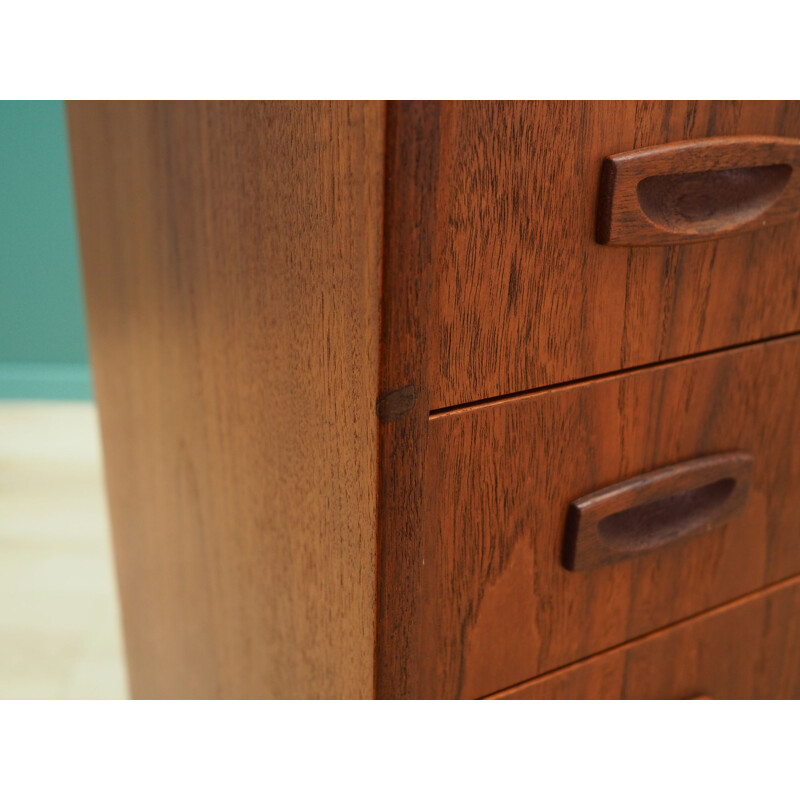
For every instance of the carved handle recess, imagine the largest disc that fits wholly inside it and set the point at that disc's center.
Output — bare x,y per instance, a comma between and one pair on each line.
655,509
699,189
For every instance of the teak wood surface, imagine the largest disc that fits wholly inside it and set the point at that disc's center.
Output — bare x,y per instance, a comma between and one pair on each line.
231,259
496,604
523,295
747,650
280,294
412,133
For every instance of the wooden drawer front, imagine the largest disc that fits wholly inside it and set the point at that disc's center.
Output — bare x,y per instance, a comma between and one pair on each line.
522,294
749,649
497,607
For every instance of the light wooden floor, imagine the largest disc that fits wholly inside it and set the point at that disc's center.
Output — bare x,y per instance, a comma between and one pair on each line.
59,618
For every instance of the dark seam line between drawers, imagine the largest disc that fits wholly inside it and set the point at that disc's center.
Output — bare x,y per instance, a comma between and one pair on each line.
437,412
744,598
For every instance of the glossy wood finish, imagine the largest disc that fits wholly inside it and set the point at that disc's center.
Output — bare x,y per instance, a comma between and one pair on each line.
266,361
523,296
412,143
232,259
656,509
747,650
497,606
700,189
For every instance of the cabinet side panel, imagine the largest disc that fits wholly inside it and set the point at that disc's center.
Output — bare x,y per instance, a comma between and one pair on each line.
231,257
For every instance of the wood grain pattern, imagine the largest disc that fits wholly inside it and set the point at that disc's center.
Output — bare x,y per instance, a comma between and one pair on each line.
289,521
700,189
232,259
523,296
496,606
746,650
412,146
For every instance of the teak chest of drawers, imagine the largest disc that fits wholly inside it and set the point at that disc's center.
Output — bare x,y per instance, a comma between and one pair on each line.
449,400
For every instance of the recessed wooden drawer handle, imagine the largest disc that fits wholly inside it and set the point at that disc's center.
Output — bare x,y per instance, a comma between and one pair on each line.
700,189
655,509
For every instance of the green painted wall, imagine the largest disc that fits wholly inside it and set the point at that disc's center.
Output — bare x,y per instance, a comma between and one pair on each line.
42,331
